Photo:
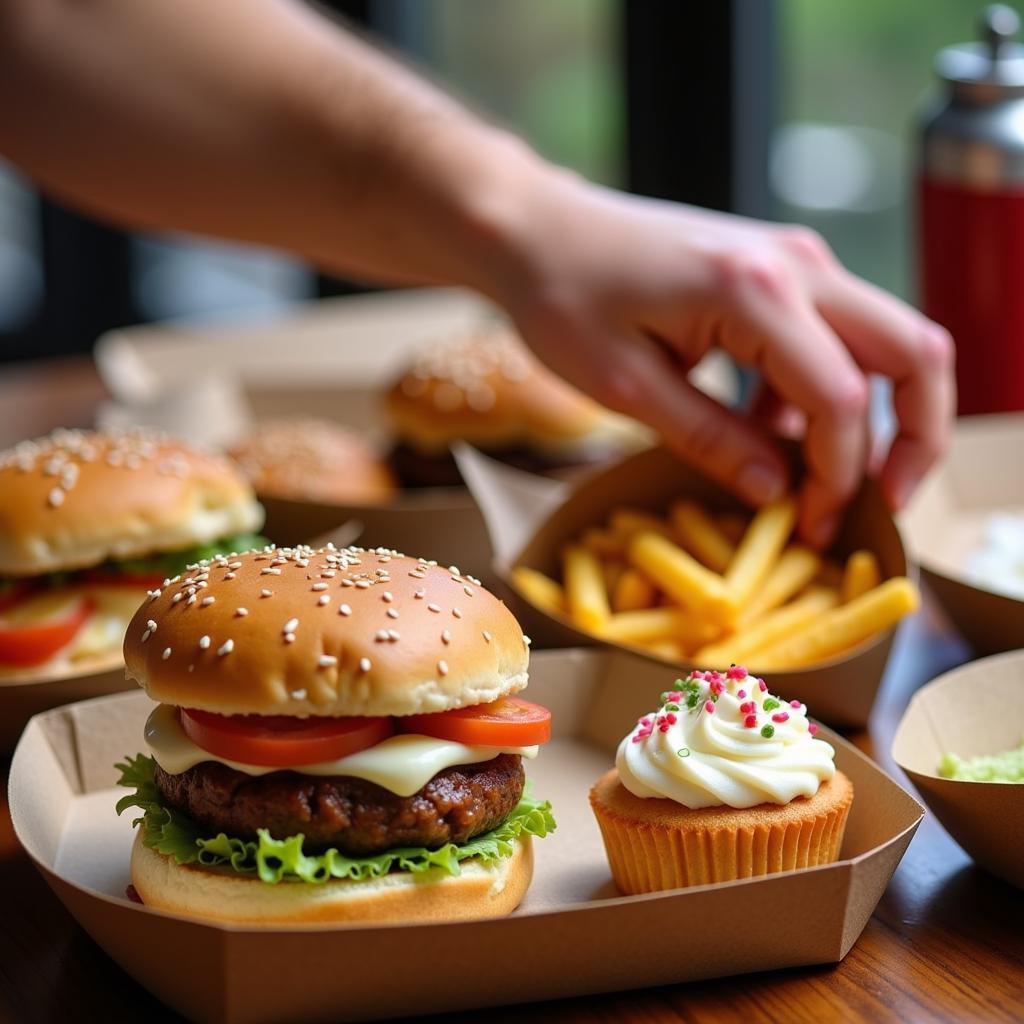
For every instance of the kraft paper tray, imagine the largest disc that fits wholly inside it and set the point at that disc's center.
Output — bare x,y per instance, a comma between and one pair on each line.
573,935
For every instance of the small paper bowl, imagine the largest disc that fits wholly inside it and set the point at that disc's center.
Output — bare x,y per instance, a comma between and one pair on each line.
975,709
946,521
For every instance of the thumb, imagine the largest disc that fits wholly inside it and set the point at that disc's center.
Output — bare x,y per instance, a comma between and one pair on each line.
636,377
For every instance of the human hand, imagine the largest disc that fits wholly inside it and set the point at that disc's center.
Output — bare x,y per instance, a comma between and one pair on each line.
624,295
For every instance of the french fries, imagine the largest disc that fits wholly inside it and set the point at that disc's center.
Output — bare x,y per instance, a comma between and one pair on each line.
843,627
633,591
543,591
683,578
718,588
585,594
700,535
860,575
760,548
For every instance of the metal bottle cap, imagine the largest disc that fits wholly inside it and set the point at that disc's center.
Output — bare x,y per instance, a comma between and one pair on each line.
996,64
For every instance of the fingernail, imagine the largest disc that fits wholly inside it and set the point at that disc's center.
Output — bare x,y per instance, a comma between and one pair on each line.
824,533
758,482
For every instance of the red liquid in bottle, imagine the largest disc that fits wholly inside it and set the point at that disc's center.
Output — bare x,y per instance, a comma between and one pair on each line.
972,282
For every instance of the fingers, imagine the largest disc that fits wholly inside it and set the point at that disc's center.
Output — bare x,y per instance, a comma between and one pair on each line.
885,336
768,322
634,376
781,417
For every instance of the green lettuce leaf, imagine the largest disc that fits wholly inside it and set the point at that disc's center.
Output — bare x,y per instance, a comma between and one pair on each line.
170,563
275,860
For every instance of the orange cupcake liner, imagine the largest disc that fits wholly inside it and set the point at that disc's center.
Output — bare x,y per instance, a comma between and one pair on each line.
656,844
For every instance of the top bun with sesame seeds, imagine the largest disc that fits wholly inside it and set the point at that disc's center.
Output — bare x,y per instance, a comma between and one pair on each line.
76,498
297,631
488,389
313,460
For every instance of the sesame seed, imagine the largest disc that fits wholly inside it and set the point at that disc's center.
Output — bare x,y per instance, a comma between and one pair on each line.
290,626
421,593
387,596
269,571
345,610
453,569
323,599
442,667
365,664
177,597
526,640
381,635
166,654
446,637
234,565
363,584
226,648
393,635
348,583
56,497
433,607
289,638
191,600
208,600
457,613
151,625
327,660
229,575
329,575
298,694
266,593
204,642
487,635
468,591
241,612
154,594
318,586
146,635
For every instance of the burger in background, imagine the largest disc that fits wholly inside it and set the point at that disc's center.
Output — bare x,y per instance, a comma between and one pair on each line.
92,522
338,740
489,390
313,460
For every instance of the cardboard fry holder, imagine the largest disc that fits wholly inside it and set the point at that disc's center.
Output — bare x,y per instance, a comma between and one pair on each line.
972,710
530,523
947,519
27,693
574,934
328,360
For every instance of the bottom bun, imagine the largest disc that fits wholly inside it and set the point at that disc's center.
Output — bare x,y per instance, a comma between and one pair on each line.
482,890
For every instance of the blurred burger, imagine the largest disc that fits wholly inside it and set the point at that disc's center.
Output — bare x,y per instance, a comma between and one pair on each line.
313,460
488,389
89,522
337,740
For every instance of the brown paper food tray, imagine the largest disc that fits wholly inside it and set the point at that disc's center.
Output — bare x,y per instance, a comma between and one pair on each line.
975,709
946,522
531,529
573,935
30,692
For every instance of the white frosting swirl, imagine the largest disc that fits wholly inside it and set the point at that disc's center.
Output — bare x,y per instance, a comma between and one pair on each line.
723,739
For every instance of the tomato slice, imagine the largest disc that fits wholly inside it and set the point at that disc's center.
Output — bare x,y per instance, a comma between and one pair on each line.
35,642
279,741
506,722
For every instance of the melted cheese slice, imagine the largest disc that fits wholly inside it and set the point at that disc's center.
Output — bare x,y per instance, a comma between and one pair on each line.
401,764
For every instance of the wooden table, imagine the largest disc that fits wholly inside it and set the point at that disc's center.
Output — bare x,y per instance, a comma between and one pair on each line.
945,944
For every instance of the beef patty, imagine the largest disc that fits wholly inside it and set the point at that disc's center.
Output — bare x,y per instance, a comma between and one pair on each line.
358,818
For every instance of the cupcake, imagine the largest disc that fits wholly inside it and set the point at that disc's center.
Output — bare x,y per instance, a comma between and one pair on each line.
723,781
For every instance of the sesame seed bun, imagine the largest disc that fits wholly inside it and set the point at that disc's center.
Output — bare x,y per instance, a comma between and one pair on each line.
489,390
313,460
481,890
297,631
77,498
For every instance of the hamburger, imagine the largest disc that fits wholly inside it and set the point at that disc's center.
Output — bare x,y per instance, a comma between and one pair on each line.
91,522
488,389
337,739
313,460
